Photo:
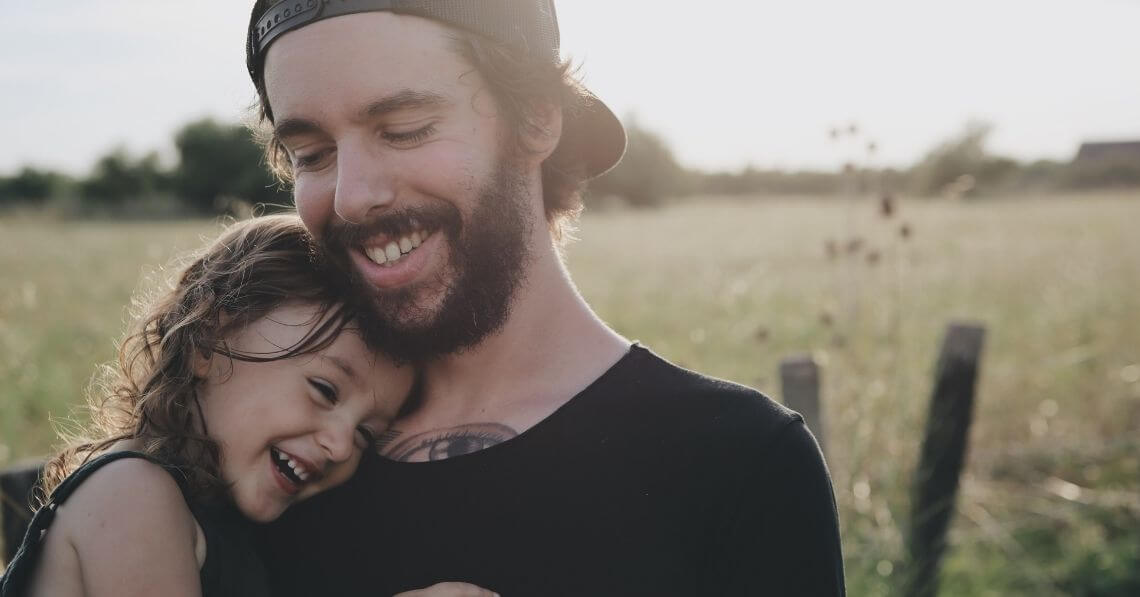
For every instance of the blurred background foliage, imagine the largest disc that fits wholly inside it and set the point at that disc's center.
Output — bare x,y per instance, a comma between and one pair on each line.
219,170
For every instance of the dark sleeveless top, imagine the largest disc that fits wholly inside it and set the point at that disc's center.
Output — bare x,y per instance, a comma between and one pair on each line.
232,566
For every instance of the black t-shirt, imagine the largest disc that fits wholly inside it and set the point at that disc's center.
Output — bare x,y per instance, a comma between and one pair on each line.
654,480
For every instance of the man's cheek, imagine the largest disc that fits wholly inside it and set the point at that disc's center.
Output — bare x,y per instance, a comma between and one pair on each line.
314,207
447,169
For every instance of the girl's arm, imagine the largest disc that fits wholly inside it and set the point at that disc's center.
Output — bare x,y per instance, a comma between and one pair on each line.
133,533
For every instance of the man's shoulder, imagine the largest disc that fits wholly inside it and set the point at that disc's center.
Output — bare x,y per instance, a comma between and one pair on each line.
696,403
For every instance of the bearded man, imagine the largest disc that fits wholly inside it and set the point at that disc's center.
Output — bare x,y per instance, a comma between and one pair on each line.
436,149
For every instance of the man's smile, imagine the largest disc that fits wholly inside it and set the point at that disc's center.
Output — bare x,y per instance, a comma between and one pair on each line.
388,262
388,251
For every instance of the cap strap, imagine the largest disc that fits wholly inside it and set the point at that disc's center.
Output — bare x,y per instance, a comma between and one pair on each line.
291,14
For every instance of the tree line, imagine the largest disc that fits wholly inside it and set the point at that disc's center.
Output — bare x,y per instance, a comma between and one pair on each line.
960,166
220,166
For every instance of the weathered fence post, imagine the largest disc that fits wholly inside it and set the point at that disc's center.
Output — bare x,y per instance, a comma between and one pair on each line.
935,485
15,504
799,380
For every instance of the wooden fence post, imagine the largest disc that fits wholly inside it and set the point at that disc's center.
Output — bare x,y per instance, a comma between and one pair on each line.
935,484
15,504
799,380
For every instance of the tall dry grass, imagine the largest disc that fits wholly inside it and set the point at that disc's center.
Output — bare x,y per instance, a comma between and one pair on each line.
1050,502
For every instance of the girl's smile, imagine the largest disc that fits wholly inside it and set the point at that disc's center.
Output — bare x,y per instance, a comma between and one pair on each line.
291,471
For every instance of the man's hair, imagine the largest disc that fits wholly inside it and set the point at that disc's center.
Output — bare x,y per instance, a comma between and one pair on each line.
522,86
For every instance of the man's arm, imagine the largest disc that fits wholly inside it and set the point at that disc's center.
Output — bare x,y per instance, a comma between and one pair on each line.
784,536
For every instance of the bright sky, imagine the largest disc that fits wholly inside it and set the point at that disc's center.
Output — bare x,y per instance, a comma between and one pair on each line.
727,82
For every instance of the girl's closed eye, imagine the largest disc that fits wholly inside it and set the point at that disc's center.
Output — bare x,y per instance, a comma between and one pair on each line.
326,389
367,437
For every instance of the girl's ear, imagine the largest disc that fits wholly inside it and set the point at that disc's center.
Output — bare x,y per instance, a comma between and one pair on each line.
203,359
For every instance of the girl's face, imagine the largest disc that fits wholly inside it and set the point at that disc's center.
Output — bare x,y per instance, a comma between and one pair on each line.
291,428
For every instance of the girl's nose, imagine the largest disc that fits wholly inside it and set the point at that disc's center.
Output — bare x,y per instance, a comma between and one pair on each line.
338,440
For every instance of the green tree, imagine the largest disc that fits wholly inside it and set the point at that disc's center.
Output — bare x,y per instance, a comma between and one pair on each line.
219,161
118,177
32,185
647,174
962,155
962,165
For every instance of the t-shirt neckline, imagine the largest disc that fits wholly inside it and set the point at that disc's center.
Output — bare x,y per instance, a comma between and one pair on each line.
636,350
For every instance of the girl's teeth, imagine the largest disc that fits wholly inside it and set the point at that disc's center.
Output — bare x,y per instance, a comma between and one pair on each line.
392,251
298,470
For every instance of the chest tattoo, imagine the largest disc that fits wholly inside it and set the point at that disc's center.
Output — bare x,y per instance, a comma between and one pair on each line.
441,444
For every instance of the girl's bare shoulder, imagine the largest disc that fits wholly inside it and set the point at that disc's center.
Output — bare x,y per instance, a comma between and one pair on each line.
127,493
131,531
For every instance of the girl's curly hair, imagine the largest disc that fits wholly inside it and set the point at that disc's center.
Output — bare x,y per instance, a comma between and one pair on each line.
150,393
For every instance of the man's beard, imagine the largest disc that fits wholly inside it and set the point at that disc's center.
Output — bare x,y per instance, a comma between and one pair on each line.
487,255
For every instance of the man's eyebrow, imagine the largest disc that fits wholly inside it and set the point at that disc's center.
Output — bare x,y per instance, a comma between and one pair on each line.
341,364
292,127
405,99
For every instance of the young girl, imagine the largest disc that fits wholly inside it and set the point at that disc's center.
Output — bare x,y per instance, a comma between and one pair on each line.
243,389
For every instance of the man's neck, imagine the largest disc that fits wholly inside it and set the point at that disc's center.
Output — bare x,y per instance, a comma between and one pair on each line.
551,347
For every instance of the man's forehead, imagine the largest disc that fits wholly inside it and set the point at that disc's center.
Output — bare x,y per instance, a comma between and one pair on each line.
359,59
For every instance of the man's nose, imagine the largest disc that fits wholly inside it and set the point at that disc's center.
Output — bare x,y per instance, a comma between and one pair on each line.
364,184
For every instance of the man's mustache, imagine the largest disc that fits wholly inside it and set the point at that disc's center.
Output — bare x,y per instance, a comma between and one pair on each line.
341,234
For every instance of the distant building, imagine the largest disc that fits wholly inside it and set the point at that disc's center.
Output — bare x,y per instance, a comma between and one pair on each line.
1116,152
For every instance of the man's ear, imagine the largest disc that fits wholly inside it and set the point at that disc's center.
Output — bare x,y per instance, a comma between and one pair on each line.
544,130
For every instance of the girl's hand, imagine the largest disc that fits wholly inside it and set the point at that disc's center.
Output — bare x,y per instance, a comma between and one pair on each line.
450,589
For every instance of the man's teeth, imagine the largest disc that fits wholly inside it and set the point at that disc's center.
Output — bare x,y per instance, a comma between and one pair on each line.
390,253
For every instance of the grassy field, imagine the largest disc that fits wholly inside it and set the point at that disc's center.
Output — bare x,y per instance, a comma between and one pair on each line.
1050,503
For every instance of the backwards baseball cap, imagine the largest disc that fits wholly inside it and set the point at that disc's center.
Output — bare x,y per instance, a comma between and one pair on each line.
593,139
